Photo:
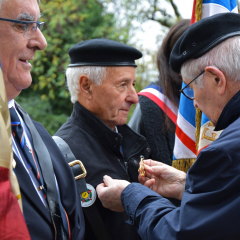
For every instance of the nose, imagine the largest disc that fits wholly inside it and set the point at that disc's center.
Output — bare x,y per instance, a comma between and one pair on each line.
195,104
38,41
132,96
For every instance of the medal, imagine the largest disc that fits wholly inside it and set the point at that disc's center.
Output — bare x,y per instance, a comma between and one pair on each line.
141,167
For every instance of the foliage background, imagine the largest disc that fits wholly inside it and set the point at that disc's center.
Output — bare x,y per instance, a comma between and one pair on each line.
68,22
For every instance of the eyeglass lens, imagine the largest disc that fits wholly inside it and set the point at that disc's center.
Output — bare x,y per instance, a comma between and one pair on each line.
31,28
189,92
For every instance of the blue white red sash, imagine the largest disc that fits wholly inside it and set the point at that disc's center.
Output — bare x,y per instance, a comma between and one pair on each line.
154,92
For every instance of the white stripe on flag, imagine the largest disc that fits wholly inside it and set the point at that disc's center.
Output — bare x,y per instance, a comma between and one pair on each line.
210,9
186,127
181,151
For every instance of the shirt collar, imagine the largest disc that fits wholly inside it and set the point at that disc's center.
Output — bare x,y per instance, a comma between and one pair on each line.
11,103
230,113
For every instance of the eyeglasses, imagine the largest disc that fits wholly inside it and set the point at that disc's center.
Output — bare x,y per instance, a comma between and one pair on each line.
187,91
28,28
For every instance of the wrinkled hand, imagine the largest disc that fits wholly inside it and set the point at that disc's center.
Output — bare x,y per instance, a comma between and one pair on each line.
163,179
109,192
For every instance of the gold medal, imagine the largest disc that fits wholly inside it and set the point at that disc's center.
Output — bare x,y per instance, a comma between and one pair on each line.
141,167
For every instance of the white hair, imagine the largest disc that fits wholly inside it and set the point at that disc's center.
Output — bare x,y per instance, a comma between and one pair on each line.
225,56
95,74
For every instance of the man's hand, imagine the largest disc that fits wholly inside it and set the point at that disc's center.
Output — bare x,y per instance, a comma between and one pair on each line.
109,192
163,179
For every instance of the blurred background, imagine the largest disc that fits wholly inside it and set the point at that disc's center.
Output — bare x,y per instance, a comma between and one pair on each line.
139,23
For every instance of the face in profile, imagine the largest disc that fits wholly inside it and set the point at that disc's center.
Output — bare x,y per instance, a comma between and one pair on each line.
112,100
206,97
15,49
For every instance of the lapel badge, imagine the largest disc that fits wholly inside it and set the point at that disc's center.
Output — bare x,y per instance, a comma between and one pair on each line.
89,197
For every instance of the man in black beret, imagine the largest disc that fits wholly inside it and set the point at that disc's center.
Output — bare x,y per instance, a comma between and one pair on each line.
208,57
101,79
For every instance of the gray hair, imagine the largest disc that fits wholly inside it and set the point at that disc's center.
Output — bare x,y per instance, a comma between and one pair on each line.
96,74
225,56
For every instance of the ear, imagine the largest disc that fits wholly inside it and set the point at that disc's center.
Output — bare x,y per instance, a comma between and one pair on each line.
219,79
85,85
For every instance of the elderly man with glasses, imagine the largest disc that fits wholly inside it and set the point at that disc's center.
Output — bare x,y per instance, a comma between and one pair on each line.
208,57
51,209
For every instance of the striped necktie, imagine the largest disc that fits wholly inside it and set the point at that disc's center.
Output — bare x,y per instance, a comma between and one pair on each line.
20,138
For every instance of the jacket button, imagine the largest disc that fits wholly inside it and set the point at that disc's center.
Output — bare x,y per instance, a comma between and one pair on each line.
136,162
116,138
131,218
148,149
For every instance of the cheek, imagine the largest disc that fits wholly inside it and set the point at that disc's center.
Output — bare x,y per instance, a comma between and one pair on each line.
205,106
113,108
114,101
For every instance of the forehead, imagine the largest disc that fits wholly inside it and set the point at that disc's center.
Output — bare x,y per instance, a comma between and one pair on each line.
120,73
20,9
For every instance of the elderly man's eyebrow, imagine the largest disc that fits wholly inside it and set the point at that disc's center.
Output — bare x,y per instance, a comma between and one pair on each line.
126,80
27,17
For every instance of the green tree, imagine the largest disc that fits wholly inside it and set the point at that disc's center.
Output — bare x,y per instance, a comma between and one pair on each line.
67,22
144,10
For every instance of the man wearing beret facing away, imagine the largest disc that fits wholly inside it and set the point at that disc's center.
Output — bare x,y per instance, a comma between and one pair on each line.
101,79
208,57
49,205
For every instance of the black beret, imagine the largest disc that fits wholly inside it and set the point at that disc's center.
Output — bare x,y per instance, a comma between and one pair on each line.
202,36
103,52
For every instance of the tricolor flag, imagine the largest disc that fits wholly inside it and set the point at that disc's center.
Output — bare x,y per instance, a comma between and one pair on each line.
12,223
185,150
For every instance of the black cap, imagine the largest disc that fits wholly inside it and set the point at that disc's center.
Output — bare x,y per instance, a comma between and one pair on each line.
103,52
202,36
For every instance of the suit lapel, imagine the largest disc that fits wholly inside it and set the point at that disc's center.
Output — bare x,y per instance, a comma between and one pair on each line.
28,189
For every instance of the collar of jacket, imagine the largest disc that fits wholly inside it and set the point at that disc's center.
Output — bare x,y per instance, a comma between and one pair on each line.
132,142
230,113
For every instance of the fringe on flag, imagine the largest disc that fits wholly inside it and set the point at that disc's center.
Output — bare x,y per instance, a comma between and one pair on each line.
183,164
198,14
198,10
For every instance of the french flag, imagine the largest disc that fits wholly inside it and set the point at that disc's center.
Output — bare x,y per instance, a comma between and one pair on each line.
185,151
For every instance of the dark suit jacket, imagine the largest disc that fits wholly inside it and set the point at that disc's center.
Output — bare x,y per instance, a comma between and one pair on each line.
37,217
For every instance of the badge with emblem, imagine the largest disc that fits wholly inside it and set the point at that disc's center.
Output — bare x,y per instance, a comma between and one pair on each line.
88,198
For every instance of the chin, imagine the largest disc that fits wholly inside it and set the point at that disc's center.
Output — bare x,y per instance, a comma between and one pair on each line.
26,82
213,123
122,121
